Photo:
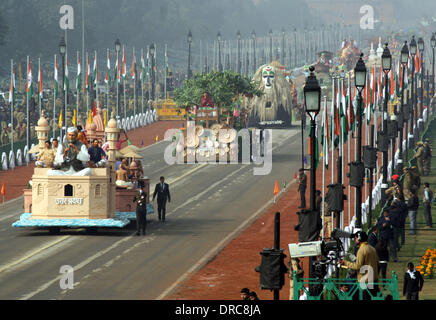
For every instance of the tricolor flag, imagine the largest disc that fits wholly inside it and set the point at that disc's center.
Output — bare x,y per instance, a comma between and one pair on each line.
108,72
142,75
40,83
67,81
79,75
88,73
12,87
133,67
56,73
325,137
95,70
29,82
124,62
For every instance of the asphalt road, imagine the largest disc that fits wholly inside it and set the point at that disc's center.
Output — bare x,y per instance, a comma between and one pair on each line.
210,202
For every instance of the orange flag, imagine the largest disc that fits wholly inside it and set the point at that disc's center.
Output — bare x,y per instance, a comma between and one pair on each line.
295,175
276,188
4,189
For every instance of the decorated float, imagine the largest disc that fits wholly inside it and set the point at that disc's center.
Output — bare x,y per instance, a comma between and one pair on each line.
70,194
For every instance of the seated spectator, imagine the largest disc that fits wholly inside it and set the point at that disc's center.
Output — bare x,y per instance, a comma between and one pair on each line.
97,155
245,294
46,157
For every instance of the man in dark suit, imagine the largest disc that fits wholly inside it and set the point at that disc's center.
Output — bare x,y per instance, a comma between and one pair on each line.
413,282
141,210
162,191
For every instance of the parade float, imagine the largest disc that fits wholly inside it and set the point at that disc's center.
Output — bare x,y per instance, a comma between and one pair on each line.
72,195
349,54
272,109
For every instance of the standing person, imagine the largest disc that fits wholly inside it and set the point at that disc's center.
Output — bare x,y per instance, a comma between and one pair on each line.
141,211
428,199
383,256
373,236
386,231
403,216
162,191
427,157
416,178
419,156
253,296
292,265
396,215
413,282
412,206
245,294
318,201
407,182
366,256
302,185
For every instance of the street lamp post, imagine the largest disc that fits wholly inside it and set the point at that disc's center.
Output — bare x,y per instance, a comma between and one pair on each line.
270,33
189,53
413,49
295,48
253,36
283,46
117,49
433,45
404,59
360,81
153,84
220,66
312,102
62,51
421,51
238,35
386,65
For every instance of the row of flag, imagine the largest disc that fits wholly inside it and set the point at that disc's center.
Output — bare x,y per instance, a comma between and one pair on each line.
343,110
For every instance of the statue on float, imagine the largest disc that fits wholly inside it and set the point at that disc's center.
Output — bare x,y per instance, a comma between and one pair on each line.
275,105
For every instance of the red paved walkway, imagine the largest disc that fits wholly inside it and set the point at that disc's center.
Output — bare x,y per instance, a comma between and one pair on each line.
16,180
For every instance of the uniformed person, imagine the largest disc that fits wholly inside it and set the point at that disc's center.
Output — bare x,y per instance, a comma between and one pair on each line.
407,182
141,210
427,157
416,178
419,156
302,185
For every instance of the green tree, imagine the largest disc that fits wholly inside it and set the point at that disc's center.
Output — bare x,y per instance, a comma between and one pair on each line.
223,87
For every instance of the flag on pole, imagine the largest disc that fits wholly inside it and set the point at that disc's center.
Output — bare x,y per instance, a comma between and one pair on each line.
325,137
39,83
133,67
74,117
55,84
88,73
142,68
105,117
124,62
12,87
3,192
90,117
79,75
108,72
95,70
29,82
276,188
60,120
67,81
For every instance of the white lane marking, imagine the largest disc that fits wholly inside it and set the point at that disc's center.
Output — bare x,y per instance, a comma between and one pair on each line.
33,253
9,216
77,267
200,263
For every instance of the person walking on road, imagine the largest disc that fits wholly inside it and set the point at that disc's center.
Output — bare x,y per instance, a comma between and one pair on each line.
428,199
141,211
302,185
162,191
413,283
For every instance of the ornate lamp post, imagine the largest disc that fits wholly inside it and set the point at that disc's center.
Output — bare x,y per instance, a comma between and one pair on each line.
238,35
413,49
360,81
153,85
220,66
283,46
433,45
270,33
421,51
62,51
117,49
253,36
404,60
386,65
189,54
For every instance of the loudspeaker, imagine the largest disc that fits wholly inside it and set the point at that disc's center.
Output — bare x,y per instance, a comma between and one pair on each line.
369,157
382,142
335,197
357,173
272,269
406,112
392,129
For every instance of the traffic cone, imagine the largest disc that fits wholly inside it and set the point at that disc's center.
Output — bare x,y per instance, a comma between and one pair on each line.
276,188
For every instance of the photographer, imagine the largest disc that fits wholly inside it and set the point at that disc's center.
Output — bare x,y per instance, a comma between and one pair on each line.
366,256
